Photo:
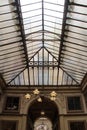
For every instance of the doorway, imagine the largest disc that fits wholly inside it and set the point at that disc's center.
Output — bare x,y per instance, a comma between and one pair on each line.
41,113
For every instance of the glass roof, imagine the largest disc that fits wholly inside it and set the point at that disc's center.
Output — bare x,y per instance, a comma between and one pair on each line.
42,24
43,42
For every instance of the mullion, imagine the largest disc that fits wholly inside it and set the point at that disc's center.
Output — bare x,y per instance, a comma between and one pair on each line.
18,36
33,73
7,4
12,56
70,18
11,48
53,22
52,45
52,27
46,31
76,4
75,32
51,33
72,56
76,12
32,22
66,62
8,32
31,10
50,53
40,31
73,60
62,77
48,69
28,39
33,45
34,54
9,80
68,74
76,75
53,10
12,52
31,16
68,65
13,25
16,18
34,50
33,27
10,43
74,53
23,78
38,68
50,36
75,43
19,72
6,72
53,16
77,72
11,32
13,11
75,38
74,47
53,3
54,53
35,32
12,66
16,58
51,48
30,3
58,75
76,26
53,73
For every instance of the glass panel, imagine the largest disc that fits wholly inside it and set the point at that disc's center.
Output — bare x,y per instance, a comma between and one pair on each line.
36,15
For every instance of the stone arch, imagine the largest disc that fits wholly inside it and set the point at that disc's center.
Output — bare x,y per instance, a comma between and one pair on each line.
26,103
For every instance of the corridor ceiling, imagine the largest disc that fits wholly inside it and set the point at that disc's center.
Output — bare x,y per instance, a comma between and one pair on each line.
43,42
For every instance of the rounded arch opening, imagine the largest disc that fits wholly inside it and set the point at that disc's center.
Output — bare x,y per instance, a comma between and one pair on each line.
46,109
43,123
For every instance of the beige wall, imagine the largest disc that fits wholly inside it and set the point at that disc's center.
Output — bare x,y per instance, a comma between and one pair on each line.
64,117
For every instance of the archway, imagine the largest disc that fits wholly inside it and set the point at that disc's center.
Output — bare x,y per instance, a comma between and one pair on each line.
43,123
45,109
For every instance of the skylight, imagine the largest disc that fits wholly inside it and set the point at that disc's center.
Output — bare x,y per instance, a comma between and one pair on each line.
42,24
43,42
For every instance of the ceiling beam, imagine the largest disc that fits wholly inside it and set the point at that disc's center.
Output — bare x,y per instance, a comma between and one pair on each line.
63,28
62,31
22,33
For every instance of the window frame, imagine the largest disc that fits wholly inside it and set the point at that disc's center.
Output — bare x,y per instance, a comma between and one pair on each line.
74,121
10,121
10,110
75,111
